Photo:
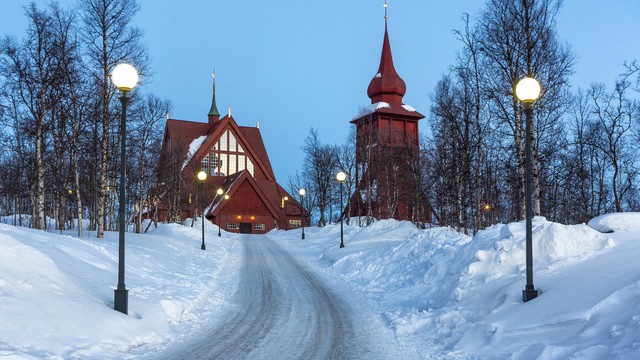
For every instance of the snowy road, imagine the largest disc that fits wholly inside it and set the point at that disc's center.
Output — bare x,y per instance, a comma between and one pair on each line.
280,310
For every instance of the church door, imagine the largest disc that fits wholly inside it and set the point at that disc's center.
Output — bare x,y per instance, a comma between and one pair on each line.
245,228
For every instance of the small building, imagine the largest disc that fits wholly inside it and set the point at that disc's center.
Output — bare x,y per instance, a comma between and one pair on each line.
236,162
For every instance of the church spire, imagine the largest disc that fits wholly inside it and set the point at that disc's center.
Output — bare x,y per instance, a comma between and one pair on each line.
386,85
214,115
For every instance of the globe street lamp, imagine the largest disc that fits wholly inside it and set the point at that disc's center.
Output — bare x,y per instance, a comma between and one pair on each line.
527,91
302,192
341,176
219,192
202,176
125,78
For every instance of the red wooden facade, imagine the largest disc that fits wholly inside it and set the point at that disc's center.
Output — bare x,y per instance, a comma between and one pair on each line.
387,151
236,161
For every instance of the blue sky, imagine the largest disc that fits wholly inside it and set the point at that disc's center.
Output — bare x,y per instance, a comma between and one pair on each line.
293,65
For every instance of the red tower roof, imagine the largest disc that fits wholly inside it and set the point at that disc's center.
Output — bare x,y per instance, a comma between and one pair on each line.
386,85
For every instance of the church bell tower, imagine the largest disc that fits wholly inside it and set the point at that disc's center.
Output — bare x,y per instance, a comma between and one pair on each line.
387,149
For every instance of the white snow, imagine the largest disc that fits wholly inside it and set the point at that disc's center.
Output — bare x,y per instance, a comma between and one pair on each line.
444,294
629,221
193,148
370,109
409,108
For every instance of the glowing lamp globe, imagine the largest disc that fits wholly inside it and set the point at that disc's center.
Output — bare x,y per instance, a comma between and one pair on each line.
528,89
341,176
202,176
124,77
302,192
219,191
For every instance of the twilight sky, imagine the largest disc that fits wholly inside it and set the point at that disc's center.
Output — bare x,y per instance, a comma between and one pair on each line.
293,65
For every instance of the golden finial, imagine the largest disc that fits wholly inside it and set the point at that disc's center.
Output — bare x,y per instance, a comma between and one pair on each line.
385,9
229,111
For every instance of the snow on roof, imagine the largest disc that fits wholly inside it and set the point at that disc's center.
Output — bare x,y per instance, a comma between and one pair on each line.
409,108
193,148
370,109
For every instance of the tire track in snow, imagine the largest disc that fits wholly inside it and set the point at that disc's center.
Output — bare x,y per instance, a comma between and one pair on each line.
279,311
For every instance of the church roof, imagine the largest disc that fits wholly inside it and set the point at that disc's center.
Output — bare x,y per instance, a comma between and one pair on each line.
386,85
182,133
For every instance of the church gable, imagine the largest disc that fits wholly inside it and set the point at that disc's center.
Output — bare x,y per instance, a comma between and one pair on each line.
226,151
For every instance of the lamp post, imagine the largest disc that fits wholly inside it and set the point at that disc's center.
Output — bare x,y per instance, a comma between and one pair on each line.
202,176
341,176
226,210
219,192
282,205
302,192
125,78
527,91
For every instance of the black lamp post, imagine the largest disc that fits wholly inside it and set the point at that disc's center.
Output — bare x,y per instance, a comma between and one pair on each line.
125,78
528,90
341,176
219,192
226,211
202,176
302,192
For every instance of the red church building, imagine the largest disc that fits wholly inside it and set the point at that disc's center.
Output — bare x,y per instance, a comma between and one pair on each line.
387,151
236,162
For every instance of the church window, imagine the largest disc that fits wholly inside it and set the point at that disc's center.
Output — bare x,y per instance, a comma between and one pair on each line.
250,167
240,149
258,226
232,142
294,224
232,226
232,164
223,165
215,164
223,141
241,163
204,165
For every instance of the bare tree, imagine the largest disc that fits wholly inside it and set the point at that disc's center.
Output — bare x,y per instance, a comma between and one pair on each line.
614,115
319,167
110,39
518,38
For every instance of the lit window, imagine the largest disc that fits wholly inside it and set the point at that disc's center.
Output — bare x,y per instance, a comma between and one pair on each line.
232,164
241,163
293,224
223,141
223,165
232,142
205,163
250,166
258,227
232,226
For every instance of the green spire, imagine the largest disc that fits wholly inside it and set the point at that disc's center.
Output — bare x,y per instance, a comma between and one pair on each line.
214,109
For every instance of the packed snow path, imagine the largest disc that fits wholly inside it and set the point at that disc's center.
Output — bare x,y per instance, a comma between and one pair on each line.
279,310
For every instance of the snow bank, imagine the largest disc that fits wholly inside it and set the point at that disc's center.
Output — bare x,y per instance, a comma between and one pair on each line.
463,296
56,292
629,221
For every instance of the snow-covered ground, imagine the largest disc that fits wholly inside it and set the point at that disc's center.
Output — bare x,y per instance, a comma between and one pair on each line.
440,293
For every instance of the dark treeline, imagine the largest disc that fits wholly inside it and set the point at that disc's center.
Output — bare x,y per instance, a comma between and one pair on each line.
473,165
59,117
